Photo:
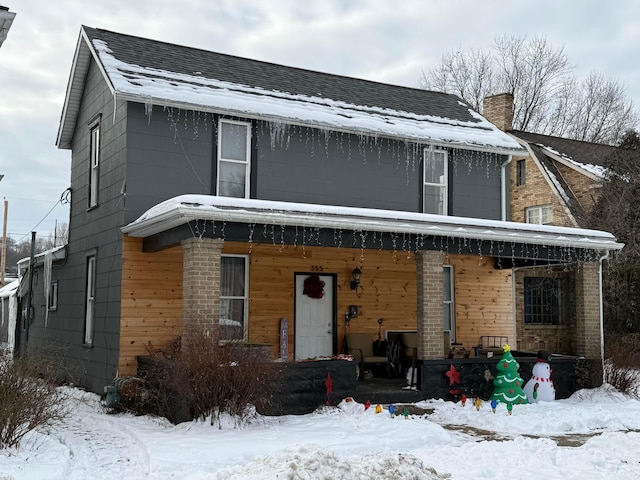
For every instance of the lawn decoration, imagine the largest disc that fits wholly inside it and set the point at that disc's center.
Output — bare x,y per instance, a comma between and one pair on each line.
494,404
328,383
477,402
540,387
508,384
391,410
463,399
378,408
367,404
405,413
454,382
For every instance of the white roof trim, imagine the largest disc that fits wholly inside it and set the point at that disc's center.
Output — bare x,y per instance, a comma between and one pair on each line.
185,208
573,164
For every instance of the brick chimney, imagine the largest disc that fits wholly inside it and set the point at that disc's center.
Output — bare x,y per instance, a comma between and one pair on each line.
498,109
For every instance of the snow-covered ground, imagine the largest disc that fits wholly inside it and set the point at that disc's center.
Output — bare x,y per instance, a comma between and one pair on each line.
593,435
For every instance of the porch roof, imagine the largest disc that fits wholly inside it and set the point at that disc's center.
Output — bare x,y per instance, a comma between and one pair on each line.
185,208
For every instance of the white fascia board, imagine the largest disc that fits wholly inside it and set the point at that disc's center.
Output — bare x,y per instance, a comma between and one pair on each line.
75,87
370,220
574,165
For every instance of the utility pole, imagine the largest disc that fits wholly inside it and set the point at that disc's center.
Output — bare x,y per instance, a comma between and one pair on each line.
3,257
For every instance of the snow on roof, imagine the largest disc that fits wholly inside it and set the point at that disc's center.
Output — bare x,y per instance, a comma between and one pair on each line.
160,87
58,253
9,289
184,208
597,170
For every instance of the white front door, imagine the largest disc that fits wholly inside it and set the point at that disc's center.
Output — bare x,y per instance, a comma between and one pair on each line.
314,322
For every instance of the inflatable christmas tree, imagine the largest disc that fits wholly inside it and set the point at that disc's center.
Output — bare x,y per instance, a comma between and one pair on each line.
508,384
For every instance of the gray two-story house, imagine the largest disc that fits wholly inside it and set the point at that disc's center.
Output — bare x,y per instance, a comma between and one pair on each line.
220,192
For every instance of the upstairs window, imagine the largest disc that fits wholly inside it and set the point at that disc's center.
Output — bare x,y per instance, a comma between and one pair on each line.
234,149
521,173
94,163
541,215
434,193
234,280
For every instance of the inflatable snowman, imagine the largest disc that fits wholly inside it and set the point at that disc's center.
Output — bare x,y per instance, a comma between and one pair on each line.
540,387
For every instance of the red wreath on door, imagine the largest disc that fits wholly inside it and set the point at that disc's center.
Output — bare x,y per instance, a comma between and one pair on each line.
313,286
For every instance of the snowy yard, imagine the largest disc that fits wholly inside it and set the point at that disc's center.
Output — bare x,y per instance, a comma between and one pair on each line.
593,435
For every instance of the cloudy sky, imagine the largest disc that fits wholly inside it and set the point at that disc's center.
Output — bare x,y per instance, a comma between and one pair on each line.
381,40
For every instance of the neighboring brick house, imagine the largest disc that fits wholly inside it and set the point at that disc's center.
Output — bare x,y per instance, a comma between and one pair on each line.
558,183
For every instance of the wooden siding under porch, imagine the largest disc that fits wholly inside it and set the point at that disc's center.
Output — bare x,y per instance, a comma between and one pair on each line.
152,294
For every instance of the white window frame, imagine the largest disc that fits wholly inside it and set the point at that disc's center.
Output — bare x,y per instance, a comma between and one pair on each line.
246,161
244,297
94,163
90,296
52,301
540,211
429,153
451,302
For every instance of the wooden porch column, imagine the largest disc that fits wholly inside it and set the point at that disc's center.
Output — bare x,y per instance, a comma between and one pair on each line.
201,285
430,304
588,331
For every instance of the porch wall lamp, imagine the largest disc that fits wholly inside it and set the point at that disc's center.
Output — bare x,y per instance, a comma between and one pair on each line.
355,278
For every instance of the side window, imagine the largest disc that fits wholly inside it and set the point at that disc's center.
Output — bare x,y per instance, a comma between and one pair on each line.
52,303
234,279
521,173
90,299
541,215
94,163
449,317
234,152
434,193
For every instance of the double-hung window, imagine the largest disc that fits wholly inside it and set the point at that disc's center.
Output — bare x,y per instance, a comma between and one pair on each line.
234,153
449,318
434,192
542,215
90,299
94,163
234,280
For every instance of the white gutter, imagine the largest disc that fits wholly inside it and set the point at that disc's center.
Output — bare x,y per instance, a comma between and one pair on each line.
186,208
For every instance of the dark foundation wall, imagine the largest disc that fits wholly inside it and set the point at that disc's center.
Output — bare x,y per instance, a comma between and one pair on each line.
569,375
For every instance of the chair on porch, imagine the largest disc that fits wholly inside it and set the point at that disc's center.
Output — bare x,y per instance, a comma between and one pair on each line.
360,346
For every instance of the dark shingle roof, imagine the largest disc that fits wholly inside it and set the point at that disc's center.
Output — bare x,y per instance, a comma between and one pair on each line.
180,59
579,151
159,73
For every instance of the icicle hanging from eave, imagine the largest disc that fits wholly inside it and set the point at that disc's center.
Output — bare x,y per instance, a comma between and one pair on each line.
48,260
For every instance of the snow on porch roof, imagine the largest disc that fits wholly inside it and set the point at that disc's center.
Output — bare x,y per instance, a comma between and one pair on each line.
157,73
185,208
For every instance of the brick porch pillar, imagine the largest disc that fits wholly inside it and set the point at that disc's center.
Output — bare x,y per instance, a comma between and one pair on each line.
588,328
201,285
430,304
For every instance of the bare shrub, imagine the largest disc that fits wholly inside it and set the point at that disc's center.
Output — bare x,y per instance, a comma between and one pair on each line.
624,379
29,398
205,378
